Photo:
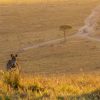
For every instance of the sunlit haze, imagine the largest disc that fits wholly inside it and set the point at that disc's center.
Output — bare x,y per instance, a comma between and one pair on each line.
24,1
37,1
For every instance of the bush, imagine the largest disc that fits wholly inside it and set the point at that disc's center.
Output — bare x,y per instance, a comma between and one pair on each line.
12,79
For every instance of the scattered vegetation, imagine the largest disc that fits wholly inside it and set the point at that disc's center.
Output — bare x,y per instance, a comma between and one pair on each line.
39,87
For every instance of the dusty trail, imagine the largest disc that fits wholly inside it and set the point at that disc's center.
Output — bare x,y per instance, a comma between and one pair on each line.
90,25
84,32
48,43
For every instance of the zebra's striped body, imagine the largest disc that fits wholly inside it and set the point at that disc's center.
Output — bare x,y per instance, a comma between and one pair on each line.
12,63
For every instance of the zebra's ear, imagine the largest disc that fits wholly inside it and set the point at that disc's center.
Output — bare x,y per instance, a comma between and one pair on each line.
11,55
16,55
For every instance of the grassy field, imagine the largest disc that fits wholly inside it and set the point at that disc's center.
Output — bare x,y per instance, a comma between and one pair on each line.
68,70
60,87
28,24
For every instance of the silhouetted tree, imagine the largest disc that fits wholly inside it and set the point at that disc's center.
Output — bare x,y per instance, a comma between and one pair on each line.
64,28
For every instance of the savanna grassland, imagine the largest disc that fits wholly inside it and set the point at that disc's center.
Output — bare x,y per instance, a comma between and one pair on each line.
41,87
64,70
24,25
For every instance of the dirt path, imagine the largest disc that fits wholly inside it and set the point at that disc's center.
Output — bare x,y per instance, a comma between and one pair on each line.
85,31
48,43
90,25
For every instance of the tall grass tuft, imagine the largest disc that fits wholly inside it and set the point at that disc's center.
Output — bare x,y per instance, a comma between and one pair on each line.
12,79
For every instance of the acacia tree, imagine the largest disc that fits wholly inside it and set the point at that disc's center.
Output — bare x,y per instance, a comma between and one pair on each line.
64,28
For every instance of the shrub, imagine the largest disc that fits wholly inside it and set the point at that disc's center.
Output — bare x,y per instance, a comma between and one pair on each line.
12,79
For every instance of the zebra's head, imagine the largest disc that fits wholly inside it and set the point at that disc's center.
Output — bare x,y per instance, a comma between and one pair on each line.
12,63
14,59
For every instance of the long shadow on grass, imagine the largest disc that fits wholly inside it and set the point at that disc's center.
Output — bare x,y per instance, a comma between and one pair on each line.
90,96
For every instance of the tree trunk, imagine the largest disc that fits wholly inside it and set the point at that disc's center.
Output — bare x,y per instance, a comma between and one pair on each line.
64,35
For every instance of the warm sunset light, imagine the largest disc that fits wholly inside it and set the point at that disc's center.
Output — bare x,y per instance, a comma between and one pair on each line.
19,1
39,1
25,1
49,49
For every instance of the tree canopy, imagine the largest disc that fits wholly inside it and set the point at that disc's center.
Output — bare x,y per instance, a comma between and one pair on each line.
65,27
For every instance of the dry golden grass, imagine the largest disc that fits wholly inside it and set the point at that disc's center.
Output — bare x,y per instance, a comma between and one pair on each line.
28,24
55,87
25,25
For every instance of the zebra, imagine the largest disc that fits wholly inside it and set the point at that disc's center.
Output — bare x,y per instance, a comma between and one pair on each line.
12,63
